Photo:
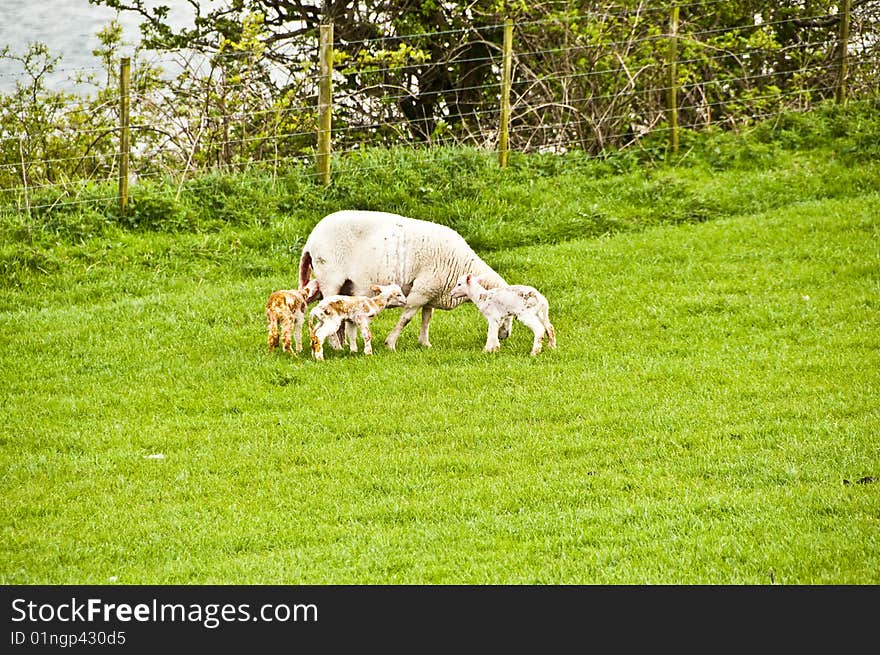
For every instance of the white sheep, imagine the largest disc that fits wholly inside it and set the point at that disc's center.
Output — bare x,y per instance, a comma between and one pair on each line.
350,251
526,303
328,316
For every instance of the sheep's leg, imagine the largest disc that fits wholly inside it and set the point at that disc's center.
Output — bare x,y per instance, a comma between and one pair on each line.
414,302
492,344
272,340
405,317
364,324
427,312
537,327
351,335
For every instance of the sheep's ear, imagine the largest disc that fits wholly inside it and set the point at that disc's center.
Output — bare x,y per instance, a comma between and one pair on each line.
375,288
468,278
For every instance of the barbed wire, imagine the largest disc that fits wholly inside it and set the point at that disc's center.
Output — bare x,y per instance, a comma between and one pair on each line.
279,113
514,130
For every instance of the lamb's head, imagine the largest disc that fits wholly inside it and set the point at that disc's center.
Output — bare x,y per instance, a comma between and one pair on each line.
392,293
311,291
465,286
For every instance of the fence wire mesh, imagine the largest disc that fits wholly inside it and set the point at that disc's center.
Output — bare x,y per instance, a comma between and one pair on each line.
594,78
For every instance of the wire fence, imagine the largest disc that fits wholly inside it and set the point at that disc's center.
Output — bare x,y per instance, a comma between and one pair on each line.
598,80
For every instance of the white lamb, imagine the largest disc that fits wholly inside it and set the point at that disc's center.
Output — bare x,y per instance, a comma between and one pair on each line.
327,316
526,303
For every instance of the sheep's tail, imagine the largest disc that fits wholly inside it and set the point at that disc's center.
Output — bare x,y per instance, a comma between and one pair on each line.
305,268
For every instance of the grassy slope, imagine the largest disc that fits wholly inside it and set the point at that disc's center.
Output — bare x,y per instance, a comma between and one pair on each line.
715,385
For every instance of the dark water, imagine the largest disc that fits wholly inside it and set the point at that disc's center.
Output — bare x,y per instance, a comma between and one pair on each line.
69,28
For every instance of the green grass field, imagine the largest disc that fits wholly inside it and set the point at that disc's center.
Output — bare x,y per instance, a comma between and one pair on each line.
710,416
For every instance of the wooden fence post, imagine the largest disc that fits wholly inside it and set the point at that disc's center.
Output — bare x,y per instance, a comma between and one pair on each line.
504,120
124,137
844,46
24,178
325,101
672,98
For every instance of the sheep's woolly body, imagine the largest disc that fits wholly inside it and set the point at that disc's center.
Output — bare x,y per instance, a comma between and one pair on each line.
350,251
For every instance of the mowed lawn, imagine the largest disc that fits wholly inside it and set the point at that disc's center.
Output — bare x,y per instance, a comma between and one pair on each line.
711,415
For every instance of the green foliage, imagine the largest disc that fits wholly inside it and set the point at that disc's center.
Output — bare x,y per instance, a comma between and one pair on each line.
539,198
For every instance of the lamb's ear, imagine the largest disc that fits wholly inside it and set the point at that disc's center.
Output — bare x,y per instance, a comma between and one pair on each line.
375,288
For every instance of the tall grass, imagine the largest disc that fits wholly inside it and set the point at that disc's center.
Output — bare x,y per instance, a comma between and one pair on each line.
709,416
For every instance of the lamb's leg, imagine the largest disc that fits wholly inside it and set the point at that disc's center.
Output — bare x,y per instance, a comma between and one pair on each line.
317,350
551,332
317,345
351,335
427,312
492,344
364,324
285,332
506,327
272,339
544,316
298,319
537,327
331,285
337,339
320,333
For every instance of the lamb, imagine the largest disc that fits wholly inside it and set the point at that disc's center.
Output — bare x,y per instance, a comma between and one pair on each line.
349,251
327,316
526,303
287,307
